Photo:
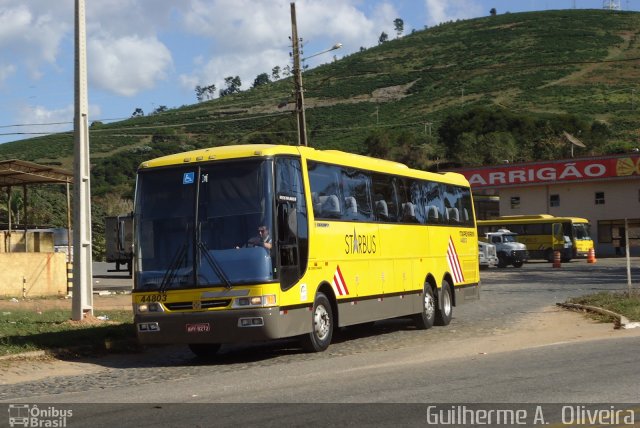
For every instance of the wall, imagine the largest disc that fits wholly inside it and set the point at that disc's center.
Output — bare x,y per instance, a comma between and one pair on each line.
33,274
38,241
622,199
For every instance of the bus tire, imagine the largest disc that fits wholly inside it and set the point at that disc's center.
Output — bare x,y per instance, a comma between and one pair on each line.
425,319
321,326
444,309
205,350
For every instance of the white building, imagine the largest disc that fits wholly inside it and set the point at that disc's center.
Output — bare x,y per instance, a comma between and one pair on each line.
605,190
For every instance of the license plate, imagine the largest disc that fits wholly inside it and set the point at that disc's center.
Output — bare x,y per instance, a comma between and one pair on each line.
198,328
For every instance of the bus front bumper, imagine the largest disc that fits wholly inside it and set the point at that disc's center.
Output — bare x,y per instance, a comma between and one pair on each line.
228,326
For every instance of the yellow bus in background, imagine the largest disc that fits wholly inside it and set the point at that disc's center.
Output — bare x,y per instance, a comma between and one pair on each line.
543,234
343,239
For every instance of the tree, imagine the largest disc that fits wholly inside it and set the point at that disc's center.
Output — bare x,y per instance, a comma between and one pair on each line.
232,86
493,11
137,112
383,38
261,79
275,73
160,109
16,204
398,24
205,93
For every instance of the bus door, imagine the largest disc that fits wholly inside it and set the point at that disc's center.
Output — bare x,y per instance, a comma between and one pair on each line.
562,242
557,237
291,222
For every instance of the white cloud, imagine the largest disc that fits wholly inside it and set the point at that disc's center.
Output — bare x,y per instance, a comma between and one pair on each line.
250,37
439,11
35,115
251,25
12,23
246,67
126,17
31,36
127,65
38,118
6,71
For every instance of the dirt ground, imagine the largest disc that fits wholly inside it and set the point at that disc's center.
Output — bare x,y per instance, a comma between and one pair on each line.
100,303
553,325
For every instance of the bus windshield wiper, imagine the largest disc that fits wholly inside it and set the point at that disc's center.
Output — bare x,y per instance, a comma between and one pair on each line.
171,272
214,263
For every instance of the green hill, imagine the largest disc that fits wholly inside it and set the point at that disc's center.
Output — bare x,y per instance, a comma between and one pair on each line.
461,93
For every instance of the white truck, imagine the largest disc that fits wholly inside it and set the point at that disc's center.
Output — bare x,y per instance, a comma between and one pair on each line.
508,249
118,234
487,255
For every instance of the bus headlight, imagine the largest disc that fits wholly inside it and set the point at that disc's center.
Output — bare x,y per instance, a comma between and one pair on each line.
143,308
255,301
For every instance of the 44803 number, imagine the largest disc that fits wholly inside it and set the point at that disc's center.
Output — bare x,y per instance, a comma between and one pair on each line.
151,298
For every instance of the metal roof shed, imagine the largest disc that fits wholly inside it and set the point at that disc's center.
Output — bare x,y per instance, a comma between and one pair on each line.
23,173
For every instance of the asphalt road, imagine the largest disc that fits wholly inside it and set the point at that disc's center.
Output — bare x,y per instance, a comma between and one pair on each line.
390,365
105,277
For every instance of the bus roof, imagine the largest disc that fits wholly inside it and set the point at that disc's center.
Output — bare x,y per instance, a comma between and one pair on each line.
328,156
528,219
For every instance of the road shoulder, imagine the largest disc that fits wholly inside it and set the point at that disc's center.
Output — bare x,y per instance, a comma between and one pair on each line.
550,326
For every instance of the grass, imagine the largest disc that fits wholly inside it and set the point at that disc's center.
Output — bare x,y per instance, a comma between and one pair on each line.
53,331
624,304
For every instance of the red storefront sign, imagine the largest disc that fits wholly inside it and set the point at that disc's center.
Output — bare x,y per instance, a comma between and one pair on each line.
553,172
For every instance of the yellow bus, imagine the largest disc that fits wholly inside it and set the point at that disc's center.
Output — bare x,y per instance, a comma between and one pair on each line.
543,234
255,242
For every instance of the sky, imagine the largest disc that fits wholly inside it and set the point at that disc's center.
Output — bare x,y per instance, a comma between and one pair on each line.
151,53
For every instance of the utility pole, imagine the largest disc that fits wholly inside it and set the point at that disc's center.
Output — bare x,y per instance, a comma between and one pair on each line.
82,302
297,75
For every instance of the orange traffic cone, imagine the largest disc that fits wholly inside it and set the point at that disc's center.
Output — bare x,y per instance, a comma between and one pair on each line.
556,259
591,256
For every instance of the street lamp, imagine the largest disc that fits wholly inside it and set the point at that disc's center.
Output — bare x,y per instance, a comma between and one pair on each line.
332,48
297,74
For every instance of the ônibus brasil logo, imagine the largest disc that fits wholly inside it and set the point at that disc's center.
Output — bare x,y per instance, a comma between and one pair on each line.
27,415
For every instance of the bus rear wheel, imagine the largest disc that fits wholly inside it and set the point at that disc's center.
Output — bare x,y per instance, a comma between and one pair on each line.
425,319
321,326
444,311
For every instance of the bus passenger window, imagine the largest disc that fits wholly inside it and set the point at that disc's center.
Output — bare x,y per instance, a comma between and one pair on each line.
432,214
350,206
409,213
382,212
329,206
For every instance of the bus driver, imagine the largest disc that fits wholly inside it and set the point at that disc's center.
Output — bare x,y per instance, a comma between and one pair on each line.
262,240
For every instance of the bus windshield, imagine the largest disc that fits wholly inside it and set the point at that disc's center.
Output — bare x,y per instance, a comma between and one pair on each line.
206,225
582,231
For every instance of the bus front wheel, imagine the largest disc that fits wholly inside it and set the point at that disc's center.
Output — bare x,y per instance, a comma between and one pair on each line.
444,311
321,326
427,316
